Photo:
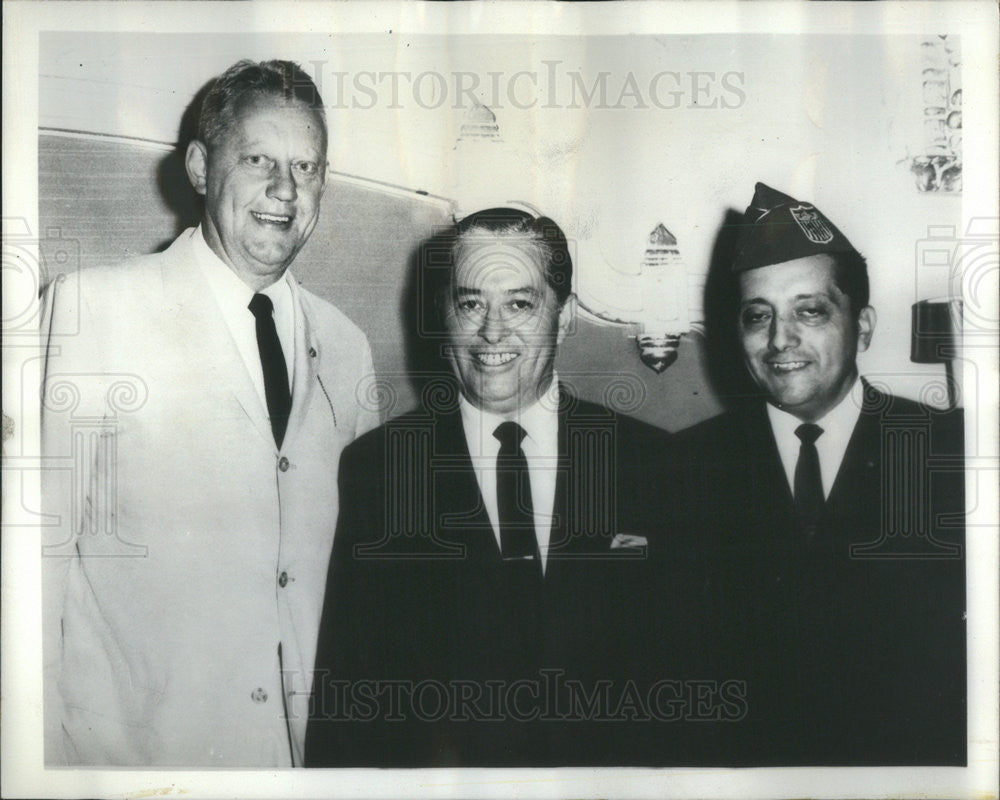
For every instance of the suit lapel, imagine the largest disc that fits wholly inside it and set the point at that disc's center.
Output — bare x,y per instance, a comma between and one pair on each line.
768,497
184,281
308,361
860,468
573,506
561,525
588,490
459,510
857,475
760,442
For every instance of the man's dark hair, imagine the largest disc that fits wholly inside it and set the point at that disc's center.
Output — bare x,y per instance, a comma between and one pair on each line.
850,274
246,81
440,253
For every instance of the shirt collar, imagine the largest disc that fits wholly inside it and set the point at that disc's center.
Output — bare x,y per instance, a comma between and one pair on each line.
227,284
540,421
838,420
838,426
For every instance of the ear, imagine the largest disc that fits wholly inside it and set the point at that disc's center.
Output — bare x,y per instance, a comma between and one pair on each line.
566,316
323,182
866,327
196,163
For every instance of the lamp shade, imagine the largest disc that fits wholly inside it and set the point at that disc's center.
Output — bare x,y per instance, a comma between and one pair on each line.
934,324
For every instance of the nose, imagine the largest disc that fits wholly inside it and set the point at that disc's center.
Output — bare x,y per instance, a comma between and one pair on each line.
282,185
493,328
783,334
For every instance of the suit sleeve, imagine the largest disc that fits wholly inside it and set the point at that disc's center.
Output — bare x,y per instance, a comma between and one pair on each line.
86,718
368,415
74,389
344,652
56,504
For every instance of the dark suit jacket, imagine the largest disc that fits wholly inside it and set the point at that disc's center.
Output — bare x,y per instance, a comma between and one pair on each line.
417,600
852,643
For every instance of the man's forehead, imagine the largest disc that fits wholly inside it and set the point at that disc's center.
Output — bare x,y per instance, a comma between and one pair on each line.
802,276
495,260
251,117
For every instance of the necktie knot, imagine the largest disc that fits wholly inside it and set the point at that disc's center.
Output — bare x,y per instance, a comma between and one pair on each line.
510,436
808,433
261,306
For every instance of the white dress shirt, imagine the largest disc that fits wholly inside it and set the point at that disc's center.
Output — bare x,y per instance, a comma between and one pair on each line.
233,297
541,450
837,425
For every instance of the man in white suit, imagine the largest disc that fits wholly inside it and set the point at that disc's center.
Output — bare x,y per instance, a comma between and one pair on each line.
204,398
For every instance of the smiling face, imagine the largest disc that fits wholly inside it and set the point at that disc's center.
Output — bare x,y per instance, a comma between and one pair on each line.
800,338
503,322
262,183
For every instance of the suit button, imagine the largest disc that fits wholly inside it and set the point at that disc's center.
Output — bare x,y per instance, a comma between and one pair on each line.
258,695
283,464
283,580
312,352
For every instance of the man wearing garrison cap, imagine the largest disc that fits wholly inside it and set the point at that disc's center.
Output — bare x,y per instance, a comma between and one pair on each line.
833,515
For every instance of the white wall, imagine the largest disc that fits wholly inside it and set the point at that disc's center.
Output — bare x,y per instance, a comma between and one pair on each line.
830,119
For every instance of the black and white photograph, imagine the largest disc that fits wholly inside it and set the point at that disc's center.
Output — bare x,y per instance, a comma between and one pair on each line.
500,399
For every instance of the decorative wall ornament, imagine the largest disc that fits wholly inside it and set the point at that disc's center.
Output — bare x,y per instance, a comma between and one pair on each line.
479,123
938,168
485,169
653,298
658,303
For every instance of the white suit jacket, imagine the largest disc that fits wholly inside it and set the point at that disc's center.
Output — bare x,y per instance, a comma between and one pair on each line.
186,557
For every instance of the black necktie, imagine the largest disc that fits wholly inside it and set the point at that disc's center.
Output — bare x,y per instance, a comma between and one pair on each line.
514,507
808,482
272,360
521,574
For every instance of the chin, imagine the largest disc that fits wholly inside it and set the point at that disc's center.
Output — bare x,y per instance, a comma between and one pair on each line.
273,263
500,406
791,402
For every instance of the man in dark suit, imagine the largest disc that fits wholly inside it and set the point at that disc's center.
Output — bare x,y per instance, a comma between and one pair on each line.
833,513
487,599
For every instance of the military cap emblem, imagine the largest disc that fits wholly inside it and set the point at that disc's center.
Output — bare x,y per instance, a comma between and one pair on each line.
812,223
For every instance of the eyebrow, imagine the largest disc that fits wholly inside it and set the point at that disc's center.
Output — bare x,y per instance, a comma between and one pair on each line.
815,296
465,291
798,297
261,144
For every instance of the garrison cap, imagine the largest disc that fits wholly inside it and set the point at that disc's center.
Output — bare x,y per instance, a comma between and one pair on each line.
778,228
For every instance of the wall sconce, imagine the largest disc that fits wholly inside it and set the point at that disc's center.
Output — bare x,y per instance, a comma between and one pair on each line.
938,167
935,331
485,170
659,304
